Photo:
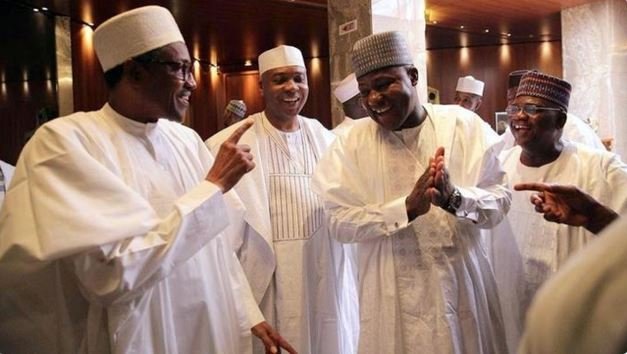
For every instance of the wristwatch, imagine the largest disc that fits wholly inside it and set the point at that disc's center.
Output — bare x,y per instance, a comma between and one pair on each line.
454,202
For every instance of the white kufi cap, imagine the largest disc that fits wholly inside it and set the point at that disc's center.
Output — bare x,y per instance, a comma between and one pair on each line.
470,85
134,32
347,88
278,57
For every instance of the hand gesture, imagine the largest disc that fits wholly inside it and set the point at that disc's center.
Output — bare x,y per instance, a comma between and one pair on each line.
418,201
442,187
568,205
271,339
233,161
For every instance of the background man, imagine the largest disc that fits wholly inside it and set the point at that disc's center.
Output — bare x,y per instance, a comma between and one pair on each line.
291,262
526,249
234,112
415,212
347,93
469,92
110,238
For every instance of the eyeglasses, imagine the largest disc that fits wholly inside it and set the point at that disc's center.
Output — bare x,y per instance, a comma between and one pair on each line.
183,69
529,109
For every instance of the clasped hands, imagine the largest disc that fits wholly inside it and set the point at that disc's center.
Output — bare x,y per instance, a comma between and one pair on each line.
433,187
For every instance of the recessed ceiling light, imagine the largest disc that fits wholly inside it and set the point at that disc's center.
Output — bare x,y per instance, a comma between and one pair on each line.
44,8
248,63
462,26
509,34
486,30
434,22
35,10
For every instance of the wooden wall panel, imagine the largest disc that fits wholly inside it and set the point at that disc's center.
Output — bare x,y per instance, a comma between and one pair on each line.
490,64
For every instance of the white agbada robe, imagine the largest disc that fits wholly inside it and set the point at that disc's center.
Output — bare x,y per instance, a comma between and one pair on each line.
427,285
575,130
110,241
525,249
582,308
294,267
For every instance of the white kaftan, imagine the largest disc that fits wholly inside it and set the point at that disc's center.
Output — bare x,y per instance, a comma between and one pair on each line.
110,241
294,267
581,310
525,249
424,286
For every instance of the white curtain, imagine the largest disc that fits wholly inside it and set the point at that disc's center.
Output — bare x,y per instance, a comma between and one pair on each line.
594,50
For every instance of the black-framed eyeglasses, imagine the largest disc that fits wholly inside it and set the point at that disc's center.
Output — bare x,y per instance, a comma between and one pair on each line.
182,69
529,109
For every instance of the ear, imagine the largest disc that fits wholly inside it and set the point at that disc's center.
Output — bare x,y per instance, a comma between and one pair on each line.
561,120
479,103
413,75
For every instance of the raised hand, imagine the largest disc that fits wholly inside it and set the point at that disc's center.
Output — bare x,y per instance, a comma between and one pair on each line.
568,205
418,201
271,339
442,187
233,160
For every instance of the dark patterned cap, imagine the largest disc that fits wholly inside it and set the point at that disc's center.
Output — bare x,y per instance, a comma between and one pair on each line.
380,50
550,88
514,77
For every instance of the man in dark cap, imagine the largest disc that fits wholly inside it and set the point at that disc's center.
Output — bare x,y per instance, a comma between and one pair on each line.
526,249
411,187
575,129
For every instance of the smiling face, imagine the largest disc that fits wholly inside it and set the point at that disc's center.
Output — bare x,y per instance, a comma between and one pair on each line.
166,94
390,97
285,92
540,131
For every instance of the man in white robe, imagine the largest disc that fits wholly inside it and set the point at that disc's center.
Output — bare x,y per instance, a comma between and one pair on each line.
425,285
110,238
347,93
292,264
526,249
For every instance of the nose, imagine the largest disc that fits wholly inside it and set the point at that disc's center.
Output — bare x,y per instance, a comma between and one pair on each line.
290,85
190,82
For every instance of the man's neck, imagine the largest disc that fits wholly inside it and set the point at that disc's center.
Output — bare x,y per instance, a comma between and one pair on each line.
128,107
541,156
288,124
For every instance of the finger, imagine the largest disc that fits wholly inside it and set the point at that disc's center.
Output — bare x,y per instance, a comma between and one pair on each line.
439,152
237,134
285,345
244,147
532,186
268,343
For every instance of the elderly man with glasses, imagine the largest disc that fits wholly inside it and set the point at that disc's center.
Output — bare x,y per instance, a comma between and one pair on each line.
111,237
527,249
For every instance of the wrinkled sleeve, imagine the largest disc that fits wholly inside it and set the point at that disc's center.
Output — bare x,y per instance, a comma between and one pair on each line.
486,197
617,180
343,187
66,204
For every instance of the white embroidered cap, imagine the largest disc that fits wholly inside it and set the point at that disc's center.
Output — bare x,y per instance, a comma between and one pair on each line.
347,88
470,85
278,57
134,32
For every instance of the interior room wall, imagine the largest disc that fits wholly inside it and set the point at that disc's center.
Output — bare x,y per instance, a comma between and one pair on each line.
490,64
